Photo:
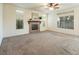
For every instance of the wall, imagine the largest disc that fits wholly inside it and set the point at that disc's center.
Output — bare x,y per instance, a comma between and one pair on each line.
10,21
1,23
53,17
43,25
43,21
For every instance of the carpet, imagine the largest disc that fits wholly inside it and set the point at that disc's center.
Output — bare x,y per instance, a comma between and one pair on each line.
41,43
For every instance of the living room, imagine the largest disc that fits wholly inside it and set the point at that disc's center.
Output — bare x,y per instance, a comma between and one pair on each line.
33,24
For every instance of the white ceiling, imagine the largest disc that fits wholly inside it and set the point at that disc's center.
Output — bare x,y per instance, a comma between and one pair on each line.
28,5
40,6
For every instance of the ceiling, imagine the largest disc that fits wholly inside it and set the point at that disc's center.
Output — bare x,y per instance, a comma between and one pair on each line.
40,6
28,5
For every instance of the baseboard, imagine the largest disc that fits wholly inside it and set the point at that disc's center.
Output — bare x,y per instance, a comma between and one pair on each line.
65,33
14,35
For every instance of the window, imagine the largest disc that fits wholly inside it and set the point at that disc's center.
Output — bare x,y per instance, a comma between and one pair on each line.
19,19
19,24
66,22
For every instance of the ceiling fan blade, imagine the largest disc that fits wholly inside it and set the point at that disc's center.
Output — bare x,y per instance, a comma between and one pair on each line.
56,4
47,6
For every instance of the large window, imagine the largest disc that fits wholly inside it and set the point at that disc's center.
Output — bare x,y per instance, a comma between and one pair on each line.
66,22
19,19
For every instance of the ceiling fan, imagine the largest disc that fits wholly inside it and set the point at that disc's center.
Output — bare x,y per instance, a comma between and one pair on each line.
52,6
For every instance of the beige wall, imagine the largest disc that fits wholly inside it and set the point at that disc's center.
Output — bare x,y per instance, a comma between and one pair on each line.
9,27
1,23
10,21
53,17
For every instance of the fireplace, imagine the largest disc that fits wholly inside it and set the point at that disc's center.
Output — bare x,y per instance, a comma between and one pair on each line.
34,26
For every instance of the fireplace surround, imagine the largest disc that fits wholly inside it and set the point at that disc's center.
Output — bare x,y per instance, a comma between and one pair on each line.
34,26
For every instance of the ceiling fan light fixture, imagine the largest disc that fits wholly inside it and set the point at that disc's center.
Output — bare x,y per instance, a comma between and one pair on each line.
52,6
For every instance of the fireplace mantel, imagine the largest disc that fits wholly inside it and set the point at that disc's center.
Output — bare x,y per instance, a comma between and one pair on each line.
33,21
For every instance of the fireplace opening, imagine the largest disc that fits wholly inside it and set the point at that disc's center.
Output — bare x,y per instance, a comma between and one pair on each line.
34,26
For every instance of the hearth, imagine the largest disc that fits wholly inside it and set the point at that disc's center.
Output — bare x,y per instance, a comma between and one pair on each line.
34,26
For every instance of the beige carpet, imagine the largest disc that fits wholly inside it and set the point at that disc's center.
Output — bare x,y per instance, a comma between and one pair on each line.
43,43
